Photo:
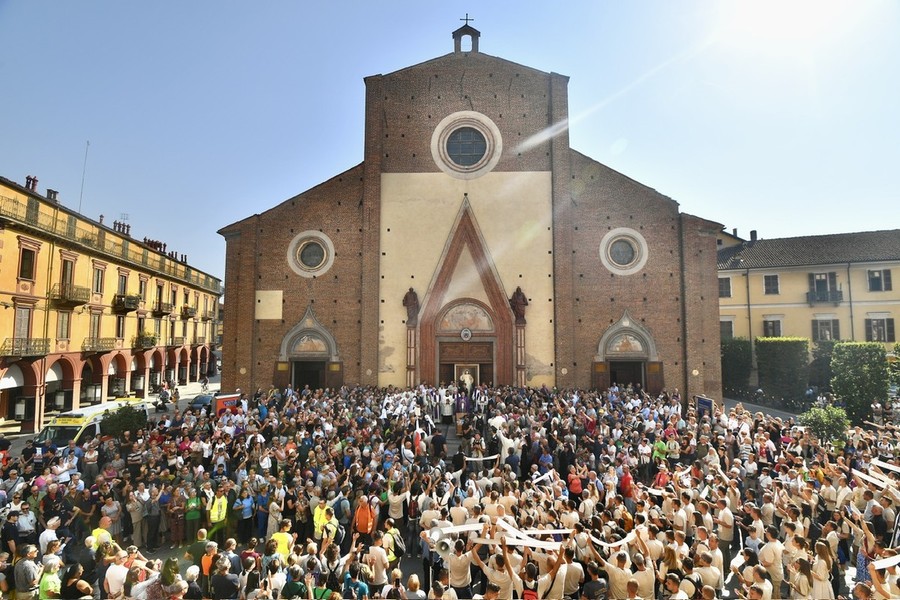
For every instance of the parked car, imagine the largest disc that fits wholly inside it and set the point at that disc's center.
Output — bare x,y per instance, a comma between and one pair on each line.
201,402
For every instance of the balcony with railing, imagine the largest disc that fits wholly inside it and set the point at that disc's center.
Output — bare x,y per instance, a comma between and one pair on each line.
23,347
176,341
125,303
98,344
825,297
161,309
199,340
61,224
188,312
68,295
208,315
143,341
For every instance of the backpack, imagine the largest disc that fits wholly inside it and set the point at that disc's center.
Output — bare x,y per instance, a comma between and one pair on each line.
399,543
815,531
339,510
332,581
529,593
365,517
339,533
697,583
413,508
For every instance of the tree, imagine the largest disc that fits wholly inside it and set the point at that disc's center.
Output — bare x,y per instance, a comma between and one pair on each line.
860,377
126,418
737,363
783,364
820,368
894,365
829,423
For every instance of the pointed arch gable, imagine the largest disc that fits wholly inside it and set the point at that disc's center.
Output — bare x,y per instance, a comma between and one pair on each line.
308,338
626,338
466,234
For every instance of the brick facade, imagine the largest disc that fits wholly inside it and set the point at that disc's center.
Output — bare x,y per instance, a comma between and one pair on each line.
588,200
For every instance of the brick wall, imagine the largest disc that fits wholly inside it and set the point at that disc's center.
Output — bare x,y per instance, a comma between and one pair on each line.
402,109
256,259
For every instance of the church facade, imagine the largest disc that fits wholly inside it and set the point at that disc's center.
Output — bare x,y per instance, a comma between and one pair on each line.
472,242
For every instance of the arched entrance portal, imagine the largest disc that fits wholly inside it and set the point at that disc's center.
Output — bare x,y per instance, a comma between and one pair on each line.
309,357
473,350
626,355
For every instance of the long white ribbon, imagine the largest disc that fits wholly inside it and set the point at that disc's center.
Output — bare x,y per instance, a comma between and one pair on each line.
475,459
542,477
874,480
883,465
890,561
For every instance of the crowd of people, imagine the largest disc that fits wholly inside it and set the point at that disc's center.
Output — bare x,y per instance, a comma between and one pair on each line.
550,494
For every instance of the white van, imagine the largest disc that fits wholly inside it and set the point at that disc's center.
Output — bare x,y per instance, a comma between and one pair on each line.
80,424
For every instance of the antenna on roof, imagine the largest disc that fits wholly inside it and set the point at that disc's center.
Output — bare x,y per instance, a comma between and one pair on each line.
87,145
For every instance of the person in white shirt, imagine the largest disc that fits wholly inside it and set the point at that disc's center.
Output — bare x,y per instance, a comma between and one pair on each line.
770,557
671,584
49,534
114,582
378,560
501,576
644,575
458,564
618,575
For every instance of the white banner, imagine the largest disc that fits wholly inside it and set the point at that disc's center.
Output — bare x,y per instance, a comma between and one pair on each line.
879,481
884,563
474,459
883,465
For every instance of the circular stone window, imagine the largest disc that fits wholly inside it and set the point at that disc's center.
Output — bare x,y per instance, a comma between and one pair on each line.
310,253
623,251
466,145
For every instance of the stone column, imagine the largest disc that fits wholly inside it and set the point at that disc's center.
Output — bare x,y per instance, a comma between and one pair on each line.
520,354
411,351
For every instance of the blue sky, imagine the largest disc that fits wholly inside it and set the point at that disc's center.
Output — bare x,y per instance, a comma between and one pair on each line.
776,116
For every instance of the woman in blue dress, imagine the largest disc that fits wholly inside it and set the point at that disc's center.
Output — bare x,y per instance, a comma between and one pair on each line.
262,512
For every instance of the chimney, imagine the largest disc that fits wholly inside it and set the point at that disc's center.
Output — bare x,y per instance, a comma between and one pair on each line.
101,219
34,181
752,235
734,232
52,195
28,182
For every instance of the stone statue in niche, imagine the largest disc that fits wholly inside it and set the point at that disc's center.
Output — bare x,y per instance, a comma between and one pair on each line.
517,303
411,302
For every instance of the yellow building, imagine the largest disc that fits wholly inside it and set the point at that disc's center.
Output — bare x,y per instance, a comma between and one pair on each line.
89,313
823,287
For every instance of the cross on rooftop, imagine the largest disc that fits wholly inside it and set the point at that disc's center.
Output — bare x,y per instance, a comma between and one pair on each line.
467,19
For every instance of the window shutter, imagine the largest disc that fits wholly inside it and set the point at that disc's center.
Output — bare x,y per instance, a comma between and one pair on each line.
832,281
889,325
835,329
868,330
815,331
886,280
812,282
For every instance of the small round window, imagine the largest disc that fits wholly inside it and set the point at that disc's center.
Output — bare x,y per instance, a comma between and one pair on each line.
466,146
311,254
623,251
